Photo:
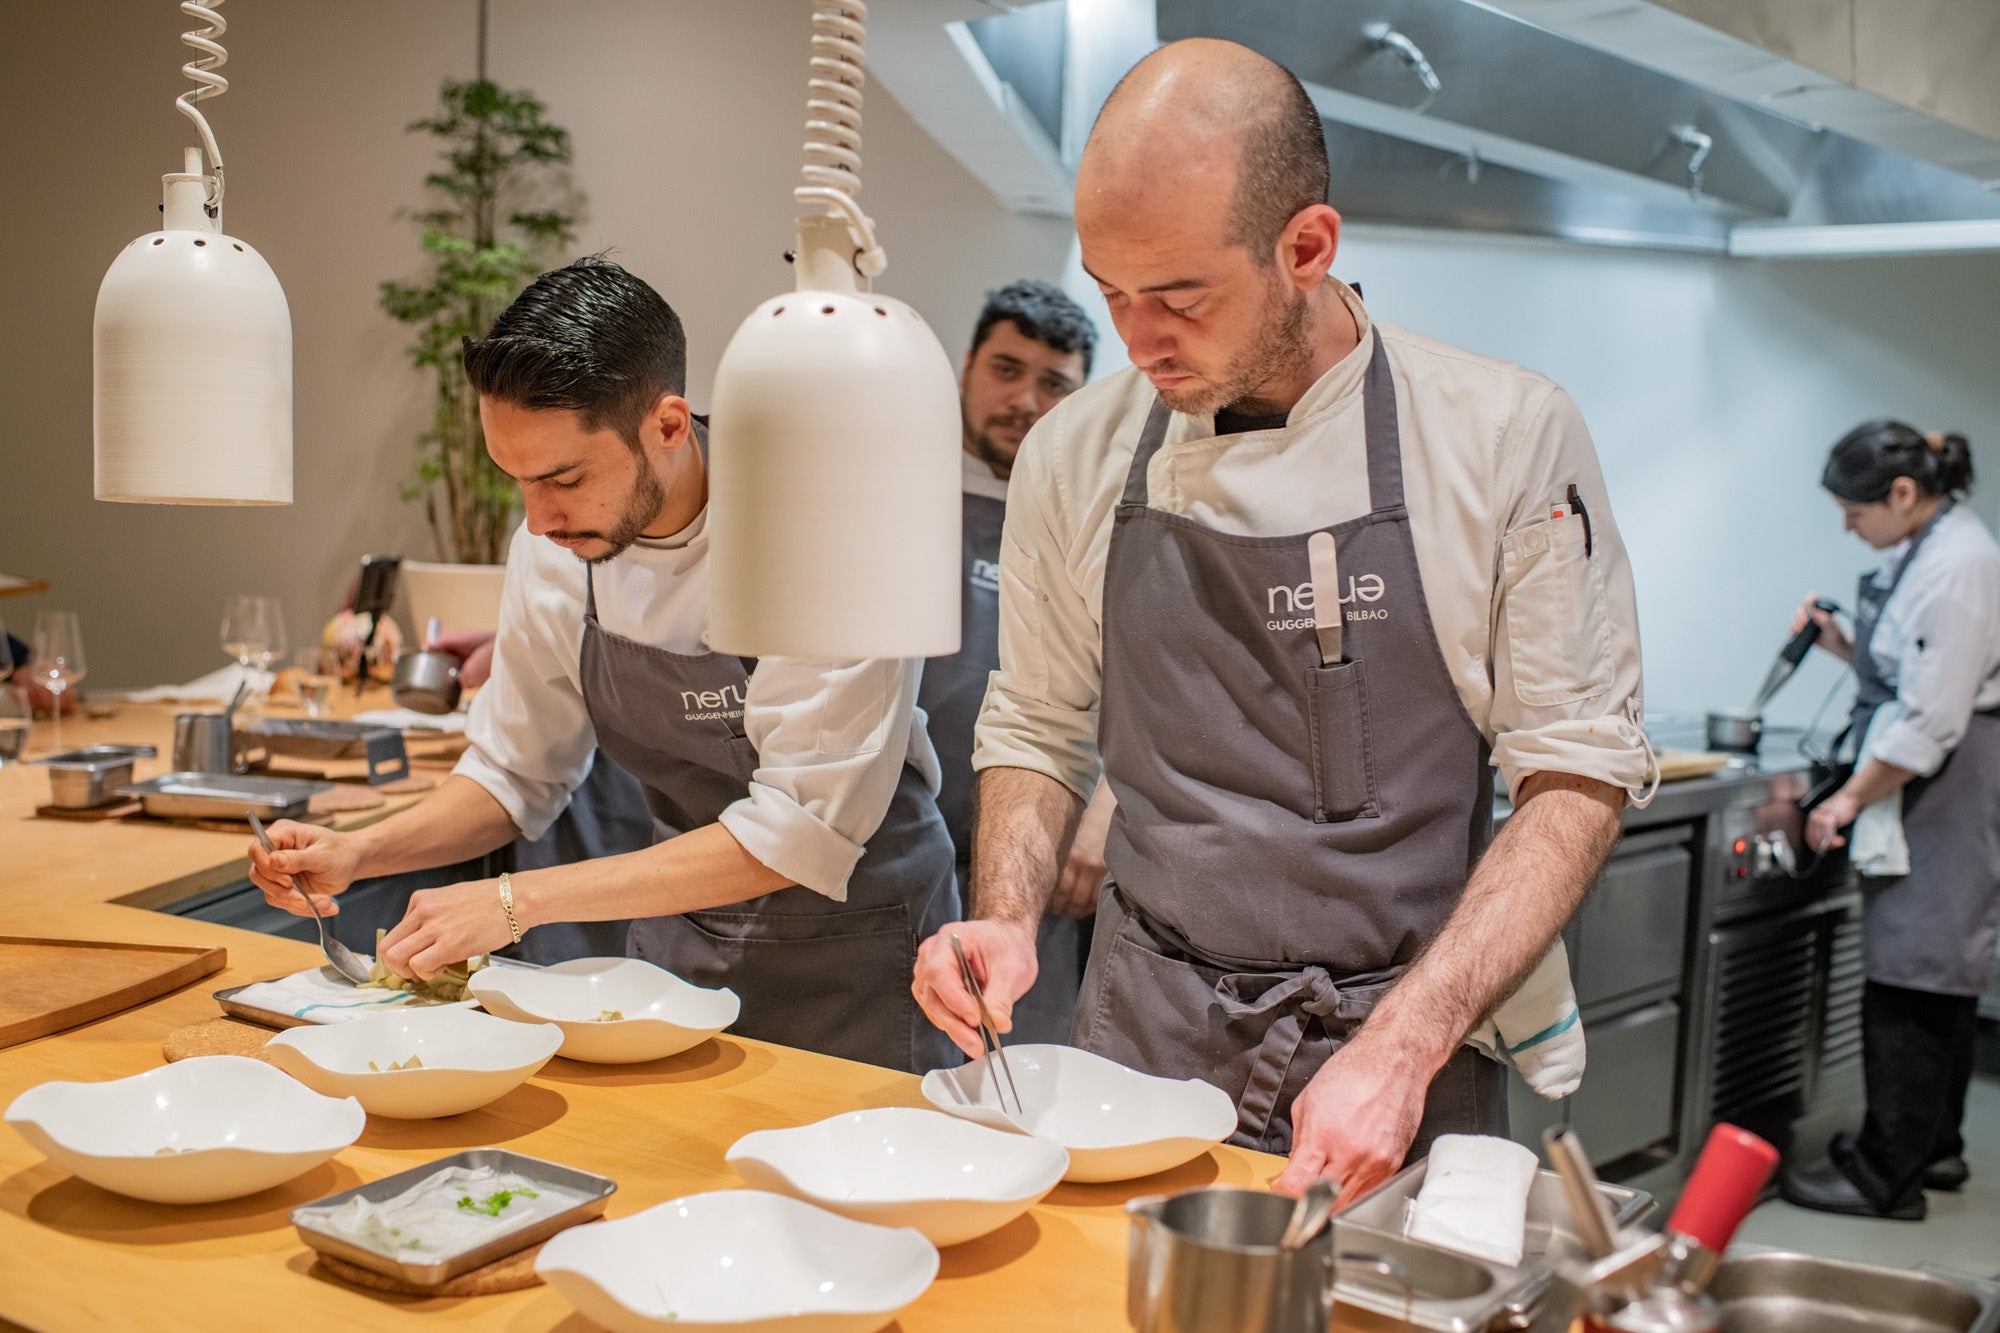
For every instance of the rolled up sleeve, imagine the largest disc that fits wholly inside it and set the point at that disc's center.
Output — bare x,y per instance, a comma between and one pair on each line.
1565,626
831,741
1040,711
529,736
1938,673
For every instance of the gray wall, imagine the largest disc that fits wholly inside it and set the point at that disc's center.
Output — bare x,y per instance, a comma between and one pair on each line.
687,120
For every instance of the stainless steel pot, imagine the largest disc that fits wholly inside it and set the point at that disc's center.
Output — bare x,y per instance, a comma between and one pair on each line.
210,743
79,779
426,681
1735,730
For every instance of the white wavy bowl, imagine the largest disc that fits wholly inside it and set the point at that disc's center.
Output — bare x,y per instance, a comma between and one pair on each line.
1117,1123
743,1261
664,1015
469,1059
898,1166
242,1127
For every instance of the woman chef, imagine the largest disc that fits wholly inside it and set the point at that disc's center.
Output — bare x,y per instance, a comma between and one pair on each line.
1923,806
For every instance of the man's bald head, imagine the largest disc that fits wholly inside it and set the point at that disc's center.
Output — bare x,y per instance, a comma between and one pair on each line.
1216,112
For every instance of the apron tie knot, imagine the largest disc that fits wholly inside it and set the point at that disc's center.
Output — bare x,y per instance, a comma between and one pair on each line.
1287,998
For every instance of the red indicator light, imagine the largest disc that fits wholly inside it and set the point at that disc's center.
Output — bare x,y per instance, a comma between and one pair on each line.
1742,846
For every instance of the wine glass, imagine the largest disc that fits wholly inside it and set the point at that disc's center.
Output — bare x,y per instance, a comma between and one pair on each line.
55,658
14,710
319,672
246,633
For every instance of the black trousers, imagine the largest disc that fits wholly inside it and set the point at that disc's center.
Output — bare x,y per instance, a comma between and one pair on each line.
1917,1053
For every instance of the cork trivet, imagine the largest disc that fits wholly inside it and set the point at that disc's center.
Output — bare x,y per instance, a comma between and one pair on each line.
216,1036
90,814
409,786
341,800
237,825
512,1272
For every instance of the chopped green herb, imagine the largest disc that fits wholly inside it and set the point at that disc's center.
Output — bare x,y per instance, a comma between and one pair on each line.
493,1203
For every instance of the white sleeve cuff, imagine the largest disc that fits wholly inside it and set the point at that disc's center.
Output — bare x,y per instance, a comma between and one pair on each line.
533,806
1612,750
782,834
1901,744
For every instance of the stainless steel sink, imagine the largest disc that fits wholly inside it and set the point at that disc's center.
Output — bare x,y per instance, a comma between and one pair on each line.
1778,1292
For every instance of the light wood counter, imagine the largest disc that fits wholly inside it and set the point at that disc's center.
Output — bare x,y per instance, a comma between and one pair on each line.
75,1257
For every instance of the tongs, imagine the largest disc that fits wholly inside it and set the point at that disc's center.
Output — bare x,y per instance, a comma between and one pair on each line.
989,1036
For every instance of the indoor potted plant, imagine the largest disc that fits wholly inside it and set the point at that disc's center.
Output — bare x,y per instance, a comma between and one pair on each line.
503,210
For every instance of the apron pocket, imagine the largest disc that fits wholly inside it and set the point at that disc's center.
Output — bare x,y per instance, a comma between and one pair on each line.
1343,769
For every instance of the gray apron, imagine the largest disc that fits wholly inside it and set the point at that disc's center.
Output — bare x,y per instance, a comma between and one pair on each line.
812,973
1935,928
1289,835
952,692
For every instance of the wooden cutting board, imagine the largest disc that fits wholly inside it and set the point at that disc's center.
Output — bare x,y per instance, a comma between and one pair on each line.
47,985
1678,765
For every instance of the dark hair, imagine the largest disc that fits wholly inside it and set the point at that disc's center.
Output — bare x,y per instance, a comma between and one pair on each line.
1283,169
589,338
1866,462
1042,312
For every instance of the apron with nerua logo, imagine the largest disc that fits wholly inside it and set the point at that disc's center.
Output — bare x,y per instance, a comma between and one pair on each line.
1289,834
812,973
1935,928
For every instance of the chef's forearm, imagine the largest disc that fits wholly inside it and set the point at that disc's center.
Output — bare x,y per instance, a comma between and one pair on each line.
707,867
457,822
1873,781
1522,892
1023,827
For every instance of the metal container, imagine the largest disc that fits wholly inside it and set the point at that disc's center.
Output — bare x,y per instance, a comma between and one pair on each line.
79,779
209,743
224,796
597,1191
1772,1291
1735,730
426,682
325,738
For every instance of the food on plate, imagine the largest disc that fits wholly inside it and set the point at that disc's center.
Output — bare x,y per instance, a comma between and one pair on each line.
449,1211
610,1016
414,1062
447,987
170,1151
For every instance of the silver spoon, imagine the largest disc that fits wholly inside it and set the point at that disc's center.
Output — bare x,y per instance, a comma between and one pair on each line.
1309,1214
342,958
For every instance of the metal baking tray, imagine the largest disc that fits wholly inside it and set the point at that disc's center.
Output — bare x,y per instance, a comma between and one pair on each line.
328,738
596,1189
1375,1221
224,796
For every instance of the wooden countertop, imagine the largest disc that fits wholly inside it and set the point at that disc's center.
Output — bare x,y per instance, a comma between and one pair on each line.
75,1257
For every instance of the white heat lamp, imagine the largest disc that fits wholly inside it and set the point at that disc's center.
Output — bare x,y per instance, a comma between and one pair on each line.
192,345
834,480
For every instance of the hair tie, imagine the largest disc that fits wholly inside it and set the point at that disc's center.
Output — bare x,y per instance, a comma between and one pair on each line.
1934,439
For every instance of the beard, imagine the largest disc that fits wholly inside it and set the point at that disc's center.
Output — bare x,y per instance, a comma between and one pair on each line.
1279,347
988,450
642,506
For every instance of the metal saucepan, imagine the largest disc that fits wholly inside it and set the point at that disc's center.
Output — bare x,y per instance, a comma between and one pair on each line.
1736,730
426,681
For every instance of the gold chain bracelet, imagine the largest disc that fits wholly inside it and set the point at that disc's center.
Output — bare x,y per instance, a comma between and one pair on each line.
507,905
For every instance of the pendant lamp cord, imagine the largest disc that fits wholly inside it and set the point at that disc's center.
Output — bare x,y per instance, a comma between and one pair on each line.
832,175
202,72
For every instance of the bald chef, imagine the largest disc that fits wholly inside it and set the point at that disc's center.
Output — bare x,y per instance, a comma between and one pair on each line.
1320,575
811,857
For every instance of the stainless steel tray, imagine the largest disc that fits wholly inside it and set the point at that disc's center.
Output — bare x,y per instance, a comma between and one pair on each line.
224,796
596,1189
79,779
316,738
1374,1223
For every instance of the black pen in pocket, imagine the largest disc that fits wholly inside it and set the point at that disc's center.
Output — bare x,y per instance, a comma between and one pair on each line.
1576,507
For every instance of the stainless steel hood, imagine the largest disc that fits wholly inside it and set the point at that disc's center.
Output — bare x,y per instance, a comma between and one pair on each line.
1630,122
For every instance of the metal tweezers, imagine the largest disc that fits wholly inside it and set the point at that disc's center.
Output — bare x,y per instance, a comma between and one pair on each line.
989,1036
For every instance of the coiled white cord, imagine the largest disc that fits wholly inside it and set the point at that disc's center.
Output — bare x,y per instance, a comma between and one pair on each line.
202,72
833,124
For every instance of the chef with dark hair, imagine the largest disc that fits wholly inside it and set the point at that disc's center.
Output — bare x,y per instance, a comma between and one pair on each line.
1920,811
802,854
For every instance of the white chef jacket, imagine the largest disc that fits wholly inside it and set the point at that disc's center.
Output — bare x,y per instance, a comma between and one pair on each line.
1541,643
831,736
1938,641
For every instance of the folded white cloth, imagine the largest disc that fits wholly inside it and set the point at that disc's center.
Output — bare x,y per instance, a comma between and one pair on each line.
1474,1198
408,719
216,685
319,996
1537,1029
1876,844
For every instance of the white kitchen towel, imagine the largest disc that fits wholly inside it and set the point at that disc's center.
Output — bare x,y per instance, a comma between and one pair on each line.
1474,1198
217,686
1538,1030
321,995
1876,844
407,719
